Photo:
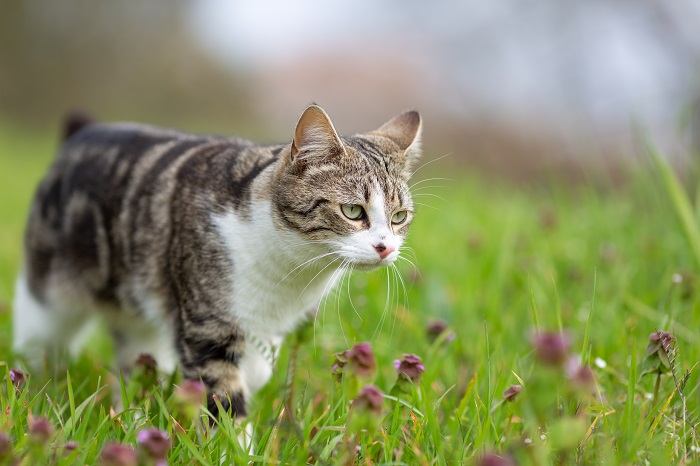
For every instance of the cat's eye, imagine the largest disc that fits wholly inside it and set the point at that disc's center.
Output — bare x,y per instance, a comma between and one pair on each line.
352,211
399,217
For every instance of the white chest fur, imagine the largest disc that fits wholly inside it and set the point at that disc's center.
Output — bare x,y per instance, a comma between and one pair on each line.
271,291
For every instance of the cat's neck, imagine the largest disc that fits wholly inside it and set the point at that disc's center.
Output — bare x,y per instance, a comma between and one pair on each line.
276,269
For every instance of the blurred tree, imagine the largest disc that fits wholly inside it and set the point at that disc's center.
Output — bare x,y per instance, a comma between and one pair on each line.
120,60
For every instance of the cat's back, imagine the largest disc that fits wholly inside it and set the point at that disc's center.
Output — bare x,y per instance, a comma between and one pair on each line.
103,186
103,157
103,163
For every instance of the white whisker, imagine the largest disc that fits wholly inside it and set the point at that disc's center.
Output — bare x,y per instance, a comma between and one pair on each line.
429,162
426,205
410,262
322,303
352,304
428,186
430,195
429,179
409,250
319,273
326,292
313,259
403,285
337,307
380,324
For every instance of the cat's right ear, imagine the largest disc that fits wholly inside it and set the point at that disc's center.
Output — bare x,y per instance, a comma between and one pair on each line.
315,133
405,131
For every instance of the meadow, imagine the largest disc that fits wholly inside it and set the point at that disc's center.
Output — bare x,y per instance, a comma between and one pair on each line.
534,312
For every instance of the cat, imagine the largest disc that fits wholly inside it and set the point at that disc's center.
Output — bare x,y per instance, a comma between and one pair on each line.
205,251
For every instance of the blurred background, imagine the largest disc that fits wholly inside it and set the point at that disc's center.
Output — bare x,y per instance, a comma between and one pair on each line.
552,216
511,87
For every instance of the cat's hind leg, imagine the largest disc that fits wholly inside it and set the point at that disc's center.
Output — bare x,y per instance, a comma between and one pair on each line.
42,333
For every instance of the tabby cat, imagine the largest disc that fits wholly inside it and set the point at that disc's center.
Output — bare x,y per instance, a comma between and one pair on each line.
205,251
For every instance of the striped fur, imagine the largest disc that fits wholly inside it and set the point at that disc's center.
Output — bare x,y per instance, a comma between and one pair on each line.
184,243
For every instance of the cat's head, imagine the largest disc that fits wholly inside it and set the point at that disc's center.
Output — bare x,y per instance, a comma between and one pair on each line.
349,194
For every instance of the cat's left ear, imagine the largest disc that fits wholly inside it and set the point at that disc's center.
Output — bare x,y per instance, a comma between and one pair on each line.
405,131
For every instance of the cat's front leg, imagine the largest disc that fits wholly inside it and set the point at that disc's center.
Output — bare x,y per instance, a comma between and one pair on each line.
212,352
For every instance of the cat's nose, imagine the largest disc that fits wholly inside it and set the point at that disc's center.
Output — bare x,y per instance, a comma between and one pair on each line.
383,250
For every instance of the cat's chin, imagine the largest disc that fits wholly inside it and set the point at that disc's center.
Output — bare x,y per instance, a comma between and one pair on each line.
369,266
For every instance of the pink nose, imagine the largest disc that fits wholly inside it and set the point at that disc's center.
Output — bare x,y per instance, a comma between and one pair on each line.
383,250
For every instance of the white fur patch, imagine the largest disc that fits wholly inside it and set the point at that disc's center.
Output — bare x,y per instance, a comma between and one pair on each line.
271,290
29,321
39,331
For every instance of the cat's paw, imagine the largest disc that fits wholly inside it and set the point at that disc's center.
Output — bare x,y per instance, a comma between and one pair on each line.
232,403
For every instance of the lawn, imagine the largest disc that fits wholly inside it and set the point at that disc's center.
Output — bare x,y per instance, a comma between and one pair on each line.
501,265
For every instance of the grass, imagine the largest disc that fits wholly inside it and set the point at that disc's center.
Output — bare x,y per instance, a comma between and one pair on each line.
608,266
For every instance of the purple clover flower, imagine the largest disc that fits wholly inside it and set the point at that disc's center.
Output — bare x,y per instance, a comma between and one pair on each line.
580,374
5,445
512,392
117,454
551,348
436,328
154,442
493,459
18,378
70,447
40,429
361,359
410,366
661,339
370,399
191,392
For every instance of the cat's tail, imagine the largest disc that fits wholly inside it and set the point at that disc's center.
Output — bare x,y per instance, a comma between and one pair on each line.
74,121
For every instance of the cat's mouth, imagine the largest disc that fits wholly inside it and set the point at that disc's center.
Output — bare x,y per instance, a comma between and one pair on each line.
368,260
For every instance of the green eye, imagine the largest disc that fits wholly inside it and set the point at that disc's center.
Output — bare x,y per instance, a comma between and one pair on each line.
352,211
399,217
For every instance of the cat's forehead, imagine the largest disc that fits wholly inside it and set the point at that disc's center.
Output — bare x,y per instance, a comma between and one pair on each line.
373,158
376,152
368,166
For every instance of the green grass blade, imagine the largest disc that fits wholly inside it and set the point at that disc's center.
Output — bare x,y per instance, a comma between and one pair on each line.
680,202
585,350
77,412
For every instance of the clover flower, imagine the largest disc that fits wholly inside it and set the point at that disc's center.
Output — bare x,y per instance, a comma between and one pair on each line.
660,353
580,374
660,340
436,328
370,399
18,378
5,445
551,348
410,366
117,454
146,370
512,392
191,392
155,443
494,459
40,429
70,447
361,359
